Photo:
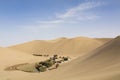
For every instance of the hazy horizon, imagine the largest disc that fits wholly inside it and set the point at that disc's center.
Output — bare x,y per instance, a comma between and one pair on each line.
27,20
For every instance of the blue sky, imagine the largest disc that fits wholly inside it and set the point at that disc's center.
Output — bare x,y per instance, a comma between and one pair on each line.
26,20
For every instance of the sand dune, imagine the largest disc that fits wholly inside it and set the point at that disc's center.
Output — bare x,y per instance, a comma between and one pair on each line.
104,40
100,64
61,46
10,57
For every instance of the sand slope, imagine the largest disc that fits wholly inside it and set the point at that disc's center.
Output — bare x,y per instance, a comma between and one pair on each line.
101,64
11,57
104,40
61,46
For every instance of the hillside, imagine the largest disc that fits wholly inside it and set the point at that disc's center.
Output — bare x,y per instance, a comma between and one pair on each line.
104,39
61,46
100,64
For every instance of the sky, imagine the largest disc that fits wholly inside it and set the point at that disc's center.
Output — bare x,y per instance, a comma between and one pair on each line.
27,20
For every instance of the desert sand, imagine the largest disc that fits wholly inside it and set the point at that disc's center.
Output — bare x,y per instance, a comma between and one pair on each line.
100,64
94,59
62,46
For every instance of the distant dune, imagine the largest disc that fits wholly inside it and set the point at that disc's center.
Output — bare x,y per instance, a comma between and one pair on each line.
104,40
61,46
